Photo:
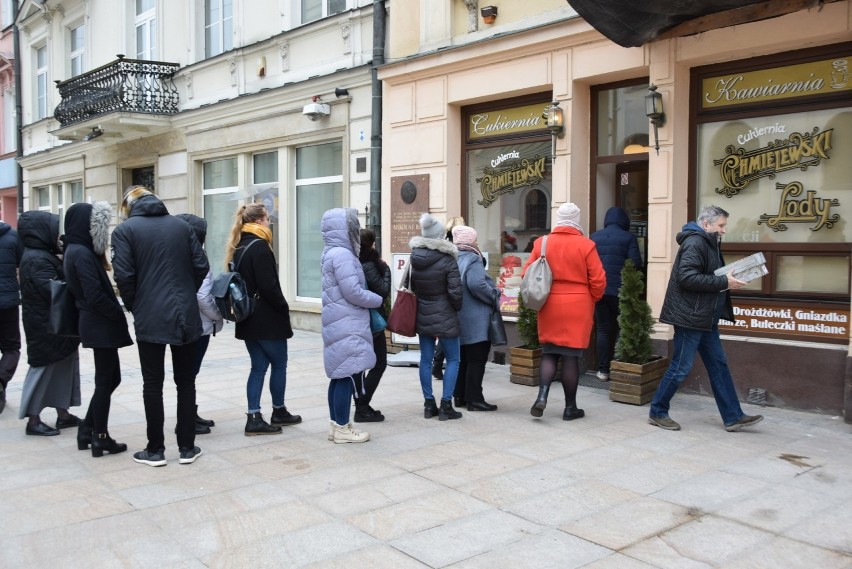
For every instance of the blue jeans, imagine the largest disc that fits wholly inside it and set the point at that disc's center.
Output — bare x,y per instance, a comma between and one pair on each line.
708,344
340,392
427,353
262,354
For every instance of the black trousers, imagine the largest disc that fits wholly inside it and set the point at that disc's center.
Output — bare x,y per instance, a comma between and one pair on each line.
107,378
10,343
606,325
471,371
151,359
374,376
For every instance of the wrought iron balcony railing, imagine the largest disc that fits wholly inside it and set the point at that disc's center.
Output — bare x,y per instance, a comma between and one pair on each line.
124,85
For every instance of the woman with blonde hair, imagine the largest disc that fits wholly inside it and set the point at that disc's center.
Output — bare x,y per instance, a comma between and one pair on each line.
267,330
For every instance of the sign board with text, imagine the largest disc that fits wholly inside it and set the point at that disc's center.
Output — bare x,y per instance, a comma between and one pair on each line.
775,319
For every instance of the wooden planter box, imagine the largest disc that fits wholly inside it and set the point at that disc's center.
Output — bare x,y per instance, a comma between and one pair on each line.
635,383
524,366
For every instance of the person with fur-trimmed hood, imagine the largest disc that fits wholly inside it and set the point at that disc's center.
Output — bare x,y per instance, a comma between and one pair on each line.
159,265
346,336
102,323
436,281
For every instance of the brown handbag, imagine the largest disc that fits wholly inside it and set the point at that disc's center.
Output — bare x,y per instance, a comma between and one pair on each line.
403,316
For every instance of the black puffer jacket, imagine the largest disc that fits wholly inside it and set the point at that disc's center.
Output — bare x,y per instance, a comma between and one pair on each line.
615,244
436,281
39,232
694,292
10,257
102,320
271,317
158,265
378,276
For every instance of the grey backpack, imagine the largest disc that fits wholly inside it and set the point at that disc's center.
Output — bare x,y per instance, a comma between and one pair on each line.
535,285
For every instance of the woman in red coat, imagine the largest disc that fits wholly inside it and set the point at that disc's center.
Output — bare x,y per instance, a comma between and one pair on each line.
566,319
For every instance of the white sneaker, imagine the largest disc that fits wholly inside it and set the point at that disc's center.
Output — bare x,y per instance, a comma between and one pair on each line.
603,376
346,434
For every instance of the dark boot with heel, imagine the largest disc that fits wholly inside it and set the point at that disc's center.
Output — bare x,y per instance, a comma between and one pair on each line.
84,437
102,443
572,412
538,407
446,412
255,425
430,408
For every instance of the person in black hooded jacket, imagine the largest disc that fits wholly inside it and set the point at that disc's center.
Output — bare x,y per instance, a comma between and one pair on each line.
159,265
102,323
53,379
10,299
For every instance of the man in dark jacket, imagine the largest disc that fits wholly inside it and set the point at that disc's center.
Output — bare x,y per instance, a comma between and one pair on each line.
615,244
159,265
695,301
10,298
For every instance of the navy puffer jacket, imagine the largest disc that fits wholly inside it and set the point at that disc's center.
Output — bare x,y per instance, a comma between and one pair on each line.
436,281
10,257
694,292
615,244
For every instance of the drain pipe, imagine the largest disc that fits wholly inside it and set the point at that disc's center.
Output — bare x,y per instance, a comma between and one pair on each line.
375,218
19,109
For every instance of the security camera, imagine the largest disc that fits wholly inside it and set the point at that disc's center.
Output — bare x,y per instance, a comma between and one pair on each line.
315,111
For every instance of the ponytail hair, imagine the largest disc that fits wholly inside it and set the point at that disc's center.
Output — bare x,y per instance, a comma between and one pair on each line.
248,213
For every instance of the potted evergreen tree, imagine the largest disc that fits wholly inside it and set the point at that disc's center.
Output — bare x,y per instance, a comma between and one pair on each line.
524,360
635,370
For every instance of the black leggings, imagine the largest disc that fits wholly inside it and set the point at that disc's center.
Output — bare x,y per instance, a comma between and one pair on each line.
570,375
371,381
107,378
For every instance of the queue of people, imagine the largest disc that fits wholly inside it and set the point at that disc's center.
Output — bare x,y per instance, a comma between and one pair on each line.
164,279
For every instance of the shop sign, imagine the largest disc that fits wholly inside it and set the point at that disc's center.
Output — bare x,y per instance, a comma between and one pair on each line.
790,81
516,120
807,210
798,151
518,174
813,323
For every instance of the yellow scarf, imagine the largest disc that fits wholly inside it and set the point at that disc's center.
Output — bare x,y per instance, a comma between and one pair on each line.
259,230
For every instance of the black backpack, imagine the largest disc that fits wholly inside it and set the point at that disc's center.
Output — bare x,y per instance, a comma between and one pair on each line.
230,293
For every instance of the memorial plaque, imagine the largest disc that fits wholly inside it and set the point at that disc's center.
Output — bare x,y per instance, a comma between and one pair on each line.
409,200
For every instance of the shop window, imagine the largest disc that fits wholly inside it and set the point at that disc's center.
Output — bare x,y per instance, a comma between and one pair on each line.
319,187
812,274
221,198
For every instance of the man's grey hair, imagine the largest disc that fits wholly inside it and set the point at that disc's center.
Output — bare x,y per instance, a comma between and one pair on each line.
711,213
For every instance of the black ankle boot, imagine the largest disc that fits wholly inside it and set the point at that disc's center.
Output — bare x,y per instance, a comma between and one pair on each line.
283,417
571,413
205,422
255,425
537,409
430,409
101,443
447,412
84,437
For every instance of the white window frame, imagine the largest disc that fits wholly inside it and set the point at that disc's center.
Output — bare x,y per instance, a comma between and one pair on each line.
226,40
297,10
146,23
38,191
77,57
40,82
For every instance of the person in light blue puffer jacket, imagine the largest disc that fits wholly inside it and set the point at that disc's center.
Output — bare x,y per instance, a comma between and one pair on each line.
347,340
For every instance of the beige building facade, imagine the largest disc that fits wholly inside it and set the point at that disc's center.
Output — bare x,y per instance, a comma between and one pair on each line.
755,120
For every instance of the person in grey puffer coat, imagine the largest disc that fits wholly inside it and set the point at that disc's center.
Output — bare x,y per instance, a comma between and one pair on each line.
347,341
436,281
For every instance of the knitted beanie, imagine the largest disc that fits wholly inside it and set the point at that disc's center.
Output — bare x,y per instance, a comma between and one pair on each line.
431,227
464,235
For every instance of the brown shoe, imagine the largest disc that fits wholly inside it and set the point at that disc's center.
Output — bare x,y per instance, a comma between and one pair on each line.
664,423
745,421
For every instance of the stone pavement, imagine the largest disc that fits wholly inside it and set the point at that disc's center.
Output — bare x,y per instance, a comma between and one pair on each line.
491,490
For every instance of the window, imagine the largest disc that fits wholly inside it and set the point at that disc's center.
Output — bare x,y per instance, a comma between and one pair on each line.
536,207
146,30
265,168
56,198
7,8
41,82
77,192
317,9
218,26
319,187
220,191
42,198
78,50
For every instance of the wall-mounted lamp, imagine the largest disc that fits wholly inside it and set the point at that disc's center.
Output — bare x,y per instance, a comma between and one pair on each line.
654,110
555,120
489,14
341,92
96,132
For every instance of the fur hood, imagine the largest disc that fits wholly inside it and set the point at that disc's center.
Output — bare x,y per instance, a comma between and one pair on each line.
99,226
440,245
131,197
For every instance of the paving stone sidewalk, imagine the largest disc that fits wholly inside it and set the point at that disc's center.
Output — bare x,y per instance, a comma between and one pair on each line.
491,490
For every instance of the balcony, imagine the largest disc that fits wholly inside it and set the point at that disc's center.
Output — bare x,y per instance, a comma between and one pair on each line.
126,99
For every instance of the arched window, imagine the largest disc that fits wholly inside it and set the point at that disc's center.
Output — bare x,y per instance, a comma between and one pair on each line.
535,209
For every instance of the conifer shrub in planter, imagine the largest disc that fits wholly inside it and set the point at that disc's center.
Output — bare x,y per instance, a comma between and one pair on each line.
635,370
524,360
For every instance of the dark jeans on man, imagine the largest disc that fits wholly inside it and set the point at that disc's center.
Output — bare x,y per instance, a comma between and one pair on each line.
371,381
151,359
471,371
708,344
606,330
10,343
107,378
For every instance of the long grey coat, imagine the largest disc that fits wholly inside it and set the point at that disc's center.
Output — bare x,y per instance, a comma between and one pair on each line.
346,333
479,299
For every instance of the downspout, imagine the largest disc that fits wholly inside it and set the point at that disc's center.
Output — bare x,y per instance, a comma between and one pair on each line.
19,113
375,220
